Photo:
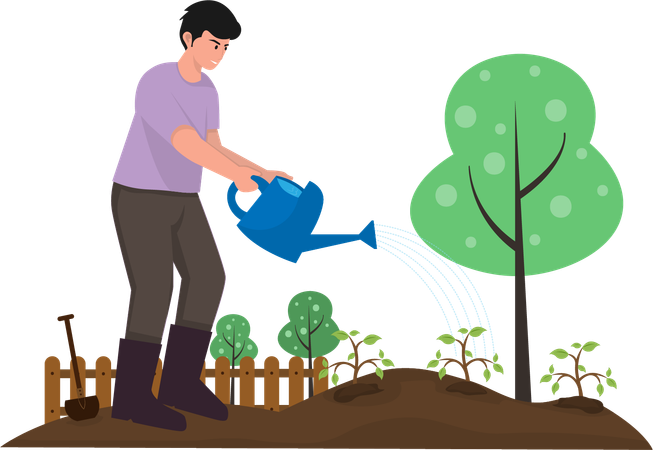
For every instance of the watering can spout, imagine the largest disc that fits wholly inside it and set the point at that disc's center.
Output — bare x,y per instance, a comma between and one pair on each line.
324,241
291,250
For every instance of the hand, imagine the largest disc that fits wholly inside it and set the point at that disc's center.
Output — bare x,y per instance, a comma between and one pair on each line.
268,175
243,179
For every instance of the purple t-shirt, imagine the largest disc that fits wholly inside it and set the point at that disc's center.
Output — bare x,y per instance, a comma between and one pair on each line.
164,101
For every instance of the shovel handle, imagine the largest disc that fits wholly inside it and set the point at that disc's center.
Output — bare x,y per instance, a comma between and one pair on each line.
69,332
68,317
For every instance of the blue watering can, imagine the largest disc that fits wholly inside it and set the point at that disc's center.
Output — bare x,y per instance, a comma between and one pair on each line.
283,217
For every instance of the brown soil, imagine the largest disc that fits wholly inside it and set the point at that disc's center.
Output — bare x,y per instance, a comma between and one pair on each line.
467,388
348,393
412,410
589,405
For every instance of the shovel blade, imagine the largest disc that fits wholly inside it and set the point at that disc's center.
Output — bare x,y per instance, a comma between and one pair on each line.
82,408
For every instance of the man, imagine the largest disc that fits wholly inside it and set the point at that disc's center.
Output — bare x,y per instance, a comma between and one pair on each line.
160,222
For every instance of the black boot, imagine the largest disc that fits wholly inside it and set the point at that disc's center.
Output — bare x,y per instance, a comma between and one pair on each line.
133,398
181,386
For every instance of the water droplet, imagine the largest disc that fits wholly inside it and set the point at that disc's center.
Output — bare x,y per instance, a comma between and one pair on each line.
534,71
555,110
500,128
534,239
494,163
316,307
470,242
581,153
446,195
465,116
288,333
602,190
560,206
484,75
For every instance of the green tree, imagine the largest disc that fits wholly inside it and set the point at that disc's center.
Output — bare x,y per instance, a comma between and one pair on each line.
309,332
233,341
524,192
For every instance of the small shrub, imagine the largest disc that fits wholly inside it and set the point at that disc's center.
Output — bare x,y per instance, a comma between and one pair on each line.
353,358
490,365
603,380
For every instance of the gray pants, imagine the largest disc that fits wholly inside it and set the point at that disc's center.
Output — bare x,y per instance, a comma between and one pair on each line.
157,229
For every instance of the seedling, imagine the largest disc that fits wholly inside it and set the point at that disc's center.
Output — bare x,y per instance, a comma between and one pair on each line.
353,358
562,354
493,365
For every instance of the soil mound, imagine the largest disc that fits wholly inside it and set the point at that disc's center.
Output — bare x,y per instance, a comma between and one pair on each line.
589,405
348,393
467,388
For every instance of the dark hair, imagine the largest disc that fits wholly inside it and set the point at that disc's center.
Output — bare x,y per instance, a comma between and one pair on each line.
211,16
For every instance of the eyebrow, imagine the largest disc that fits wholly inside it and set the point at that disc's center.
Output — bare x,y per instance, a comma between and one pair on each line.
213,40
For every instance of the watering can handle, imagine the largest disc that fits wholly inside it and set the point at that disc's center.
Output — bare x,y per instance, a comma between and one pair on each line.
231,195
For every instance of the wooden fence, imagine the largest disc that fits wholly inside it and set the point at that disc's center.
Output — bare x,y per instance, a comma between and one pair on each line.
247,373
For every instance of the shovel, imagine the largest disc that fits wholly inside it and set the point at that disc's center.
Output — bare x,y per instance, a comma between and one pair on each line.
81,408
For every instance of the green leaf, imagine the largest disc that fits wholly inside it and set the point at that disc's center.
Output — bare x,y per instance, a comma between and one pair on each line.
463,331
343,336
468,353
581,368
323,373
487,375
551,368
324,362
589,346
334,379
379,372
433,363
447,339
575,345
371,339
546,378
611,383
609,372
351,356
498,368
387,363
560,353
442,372
477,331
496,357
438,354
354,333
600,389
381,354
555,388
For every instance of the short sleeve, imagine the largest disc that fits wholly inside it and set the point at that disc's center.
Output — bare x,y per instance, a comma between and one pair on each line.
158,107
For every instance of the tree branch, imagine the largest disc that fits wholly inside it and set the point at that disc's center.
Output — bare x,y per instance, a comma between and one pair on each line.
318,326
562,375
300,339
225,339
450,360
241,351
597,375
336,365
524,192
483,360
369,361
498,231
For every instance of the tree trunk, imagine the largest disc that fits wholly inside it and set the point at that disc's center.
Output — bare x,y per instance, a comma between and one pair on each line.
233,389
522,358
310,380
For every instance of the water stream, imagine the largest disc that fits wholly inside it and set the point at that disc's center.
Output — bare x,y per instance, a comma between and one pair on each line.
398,242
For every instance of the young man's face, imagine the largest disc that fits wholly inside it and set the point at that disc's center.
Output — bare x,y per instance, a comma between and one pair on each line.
208,50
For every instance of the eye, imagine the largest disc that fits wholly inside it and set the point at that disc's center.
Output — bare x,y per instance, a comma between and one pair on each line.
216,47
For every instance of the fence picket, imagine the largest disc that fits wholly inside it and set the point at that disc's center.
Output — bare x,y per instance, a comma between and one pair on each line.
295,381
104,380
271,383
51,389
222,379
246,392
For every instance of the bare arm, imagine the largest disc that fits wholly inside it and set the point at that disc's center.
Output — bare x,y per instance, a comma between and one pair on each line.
213,138
187,142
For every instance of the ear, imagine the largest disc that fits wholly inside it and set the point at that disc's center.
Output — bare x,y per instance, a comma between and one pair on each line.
188,39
